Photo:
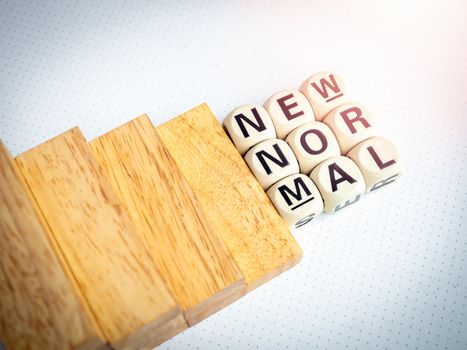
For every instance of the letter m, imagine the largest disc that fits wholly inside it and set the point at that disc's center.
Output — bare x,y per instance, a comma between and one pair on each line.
285,191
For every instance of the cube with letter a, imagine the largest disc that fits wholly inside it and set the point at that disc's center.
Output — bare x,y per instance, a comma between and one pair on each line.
248,125
378,160
325,91
339,181
297,199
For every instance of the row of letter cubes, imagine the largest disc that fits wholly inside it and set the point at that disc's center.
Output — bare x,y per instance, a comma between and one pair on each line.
313,149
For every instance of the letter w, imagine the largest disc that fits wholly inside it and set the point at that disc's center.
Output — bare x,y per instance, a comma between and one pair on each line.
323,88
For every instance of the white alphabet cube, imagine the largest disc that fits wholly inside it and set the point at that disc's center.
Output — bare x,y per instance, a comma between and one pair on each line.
297,199
351,123
378,160
312,143
339,181
325,91
271,161
288,110
248,125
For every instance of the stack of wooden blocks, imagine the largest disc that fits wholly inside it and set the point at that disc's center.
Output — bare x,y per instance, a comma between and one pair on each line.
312,149
129,239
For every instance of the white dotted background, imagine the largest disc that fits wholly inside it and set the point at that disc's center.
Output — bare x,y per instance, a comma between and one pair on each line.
386,273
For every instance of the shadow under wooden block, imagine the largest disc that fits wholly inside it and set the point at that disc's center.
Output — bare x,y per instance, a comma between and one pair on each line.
234,202
111,266
193,261
39,307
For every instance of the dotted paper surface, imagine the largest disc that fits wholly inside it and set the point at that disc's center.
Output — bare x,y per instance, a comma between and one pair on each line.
386,273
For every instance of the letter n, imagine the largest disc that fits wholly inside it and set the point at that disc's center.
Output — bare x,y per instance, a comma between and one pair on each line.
241,119
282,161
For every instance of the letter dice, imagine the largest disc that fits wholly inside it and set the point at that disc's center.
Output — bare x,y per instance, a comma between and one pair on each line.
270,161
297,199
312,143
325,91
288,110
351,123
248,125
339,181
378,161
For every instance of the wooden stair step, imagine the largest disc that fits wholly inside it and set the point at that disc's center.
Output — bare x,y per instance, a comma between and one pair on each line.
39,307
99,244
193,261
234,202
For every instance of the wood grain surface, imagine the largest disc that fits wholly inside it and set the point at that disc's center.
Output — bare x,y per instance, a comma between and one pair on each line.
114,272
232,199
193,261
39,308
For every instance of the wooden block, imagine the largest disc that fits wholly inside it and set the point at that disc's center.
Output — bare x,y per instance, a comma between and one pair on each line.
351,123
232,199
193,261
39,307
325,91
312,143
378,160
248,125
297,199
270,161
339,181
288,110
87,221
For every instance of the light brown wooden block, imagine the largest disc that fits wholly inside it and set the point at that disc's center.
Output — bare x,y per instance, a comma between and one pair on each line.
191,258
39,307
234,202
87,221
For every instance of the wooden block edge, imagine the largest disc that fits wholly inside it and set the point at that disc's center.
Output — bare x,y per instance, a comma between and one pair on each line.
154,333
217,302
274,273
